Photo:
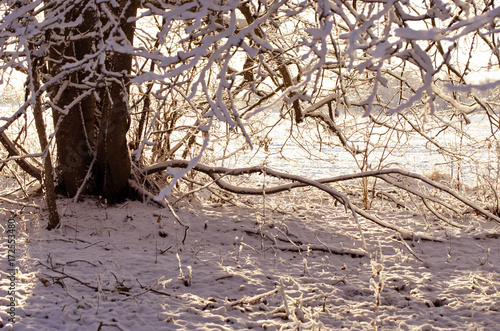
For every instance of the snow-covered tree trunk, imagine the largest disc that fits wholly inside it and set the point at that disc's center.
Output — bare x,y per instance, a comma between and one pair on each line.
97,123
113,160
74,121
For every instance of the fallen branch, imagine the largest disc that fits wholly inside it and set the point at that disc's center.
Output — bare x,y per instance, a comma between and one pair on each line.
212,171
332,250
298,181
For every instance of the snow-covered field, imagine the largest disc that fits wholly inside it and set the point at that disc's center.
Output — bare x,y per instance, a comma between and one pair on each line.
134,267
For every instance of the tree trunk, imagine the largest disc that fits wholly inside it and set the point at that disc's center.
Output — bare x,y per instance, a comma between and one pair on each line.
50,193
77,140
75,129
113,160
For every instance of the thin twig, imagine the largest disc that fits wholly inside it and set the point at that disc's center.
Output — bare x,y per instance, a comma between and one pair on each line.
405,244
255,298
186,227
24,204
95,288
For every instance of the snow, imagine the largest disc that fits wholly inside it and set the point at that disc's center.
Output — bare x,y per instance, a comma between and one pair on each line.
132,266
482,77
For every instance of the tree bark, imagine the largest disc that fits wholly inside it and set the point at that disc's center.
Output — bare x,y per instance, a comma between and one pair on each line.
113,161
75,129
77,113
50,193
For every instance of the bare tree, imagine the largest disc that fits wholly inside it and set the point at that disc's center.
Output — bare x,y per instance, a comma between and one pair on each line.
192,76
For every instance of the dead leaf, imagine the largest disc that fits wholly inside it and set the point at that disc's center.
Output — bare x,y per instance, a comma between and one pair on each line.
44,281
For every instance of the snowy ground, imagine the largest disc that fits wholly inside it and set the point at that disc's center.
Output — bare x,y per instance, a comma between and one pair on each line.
126,267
